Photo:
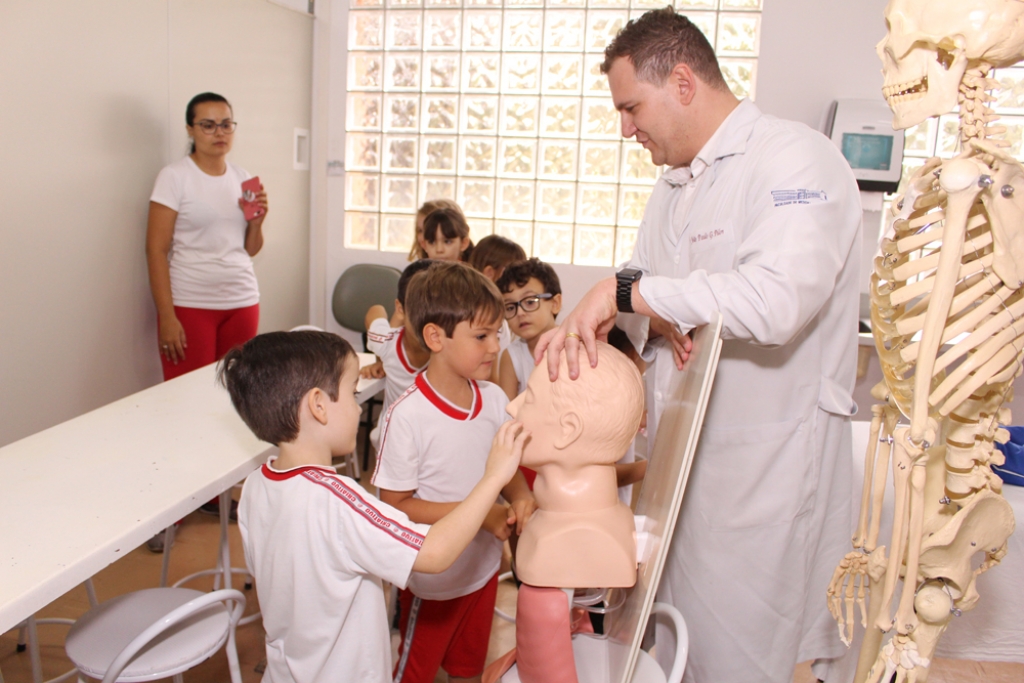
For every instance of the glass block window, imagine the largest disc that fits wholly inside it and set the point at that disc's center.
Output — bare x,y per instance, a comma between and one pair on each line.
941,137
500,105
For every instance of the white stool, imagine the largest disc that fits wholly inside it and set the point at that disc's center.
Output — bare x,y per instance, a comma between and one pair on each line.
155,633
28,639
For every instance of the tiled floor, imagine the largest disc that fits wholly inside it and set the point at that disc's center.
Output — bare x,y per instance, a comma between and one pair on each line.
195,548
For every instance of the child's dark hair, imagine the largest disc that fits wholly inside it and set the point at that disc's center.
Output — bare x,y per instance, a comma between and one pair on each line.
452,225
618,339
269,374
410,270
201,98
519,273
495,251
448,293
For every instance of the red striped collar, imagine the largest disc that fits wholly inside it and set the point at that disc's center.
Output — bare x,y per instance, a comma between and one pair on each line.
447,407
401,354
282,475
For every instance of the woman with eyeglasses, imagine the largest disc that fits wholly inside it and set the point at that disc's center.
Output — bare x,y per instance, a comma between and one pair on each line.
199,245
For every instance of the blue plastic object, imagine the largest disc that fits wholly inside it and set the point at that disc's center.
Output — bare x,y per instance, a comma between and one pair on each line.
1012,471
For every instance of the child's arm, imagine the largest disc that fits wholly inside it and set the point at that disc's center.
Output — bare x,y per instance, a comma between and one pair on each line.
450,534
507,379
428,512
519,495
376,311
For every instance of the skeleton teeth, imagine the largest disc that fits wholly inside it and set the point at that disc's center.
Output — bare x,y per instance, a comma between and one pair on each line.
906,90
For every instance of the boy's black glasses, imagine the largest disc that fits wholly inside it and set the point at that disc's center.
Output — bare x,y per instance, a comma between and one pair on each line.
529,304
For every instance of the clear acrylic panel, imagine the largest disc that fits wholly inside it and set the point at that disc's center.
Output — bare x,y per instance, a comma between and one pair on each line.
436,188
398,234
595,246
600,119
477,156
520,232
741,76
515,199
517,158
364,111
520,115
919,141
552,242
632,201
479,114
706,22
555,201
481,72
523,30
599,161
438,154
442,72
442,30
594,82
637,166
365,71
1010,99
563,30
558,159
738,34
625,240
362,192
440,114
563,74
476,197
479,228
402,113
361,230
402,72
400,153
483,30
365,30
948,143
560,117
602,26
362,152
521,73
596,204
404,29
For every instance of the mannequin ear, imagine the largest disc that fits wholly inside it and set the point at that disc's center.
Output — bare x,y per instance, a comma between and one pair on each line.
316,402
433,336
570,428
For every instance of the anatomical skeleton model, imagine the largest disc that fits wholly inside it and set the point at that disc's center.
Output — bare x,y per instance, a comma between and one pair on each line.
946,308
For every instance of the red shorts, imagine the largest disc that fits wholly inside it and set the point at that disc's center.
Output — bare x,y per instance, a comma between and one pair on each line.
210,334
449,634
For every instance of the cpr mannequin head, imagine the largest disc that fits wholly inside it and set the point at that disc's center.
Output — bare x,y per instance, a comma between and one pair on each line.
587,421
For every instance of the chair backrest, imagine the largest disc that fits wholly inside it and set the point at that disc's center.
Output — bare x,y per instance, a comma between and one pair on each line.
361,286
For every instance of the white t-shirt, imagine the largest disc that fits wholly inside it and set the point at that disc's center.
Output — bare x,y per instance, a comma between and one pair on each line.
318,545
439,450
209,265
386,342
522,362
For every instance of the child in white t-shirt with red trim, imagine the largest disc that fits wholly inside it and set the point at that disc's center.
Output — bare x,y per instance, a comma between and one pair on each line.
316,542
432,450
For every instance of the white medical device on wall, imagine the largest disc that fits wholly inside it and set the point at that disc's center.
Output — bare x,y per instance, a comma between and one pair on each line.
863,132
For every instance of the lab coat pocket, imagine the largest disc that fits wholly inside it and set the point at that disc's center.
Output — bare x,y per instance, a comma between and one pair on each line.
755,476
712,248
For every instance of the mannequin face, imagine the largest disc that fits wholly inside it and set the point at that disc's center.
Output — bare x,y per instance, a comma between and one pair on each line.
535,409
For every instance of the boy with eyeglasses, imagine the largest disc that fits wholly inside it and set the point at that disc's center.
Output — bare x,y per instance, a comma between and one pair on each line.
532,296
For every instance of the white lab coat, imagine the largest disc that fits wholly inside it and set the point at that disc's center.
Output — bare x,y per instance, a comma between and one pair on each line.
766,515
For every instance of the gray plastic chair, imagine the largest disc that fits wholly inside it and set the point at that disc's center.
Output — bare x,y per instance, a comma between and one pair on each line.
359,287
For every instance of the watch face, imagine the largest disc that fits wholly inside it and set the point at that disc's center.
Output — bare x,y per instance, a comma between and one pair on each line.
629,274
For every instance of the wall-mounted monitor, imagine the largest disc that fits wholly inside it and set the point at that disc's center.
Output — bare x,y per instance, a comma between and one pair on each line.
863,132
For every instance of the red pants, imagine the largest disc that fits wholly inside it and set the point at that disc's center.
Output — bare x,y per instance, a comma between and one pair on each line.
210,334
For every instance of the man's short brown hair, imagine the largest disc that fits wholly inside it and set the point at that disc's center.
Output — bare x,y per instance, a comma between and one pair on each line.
659,40
269,374
448,293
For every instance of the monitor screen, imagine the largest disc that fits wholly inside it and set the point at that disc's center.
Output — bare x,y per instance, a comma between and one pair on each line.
870,152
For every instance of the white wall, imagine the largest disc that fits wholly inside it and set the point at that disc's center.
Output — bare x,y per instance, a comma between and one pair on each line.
93,98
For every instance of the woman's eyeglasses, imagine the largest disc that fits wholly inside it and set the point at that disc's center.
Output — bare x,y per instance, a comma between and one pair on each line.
210,127
528,304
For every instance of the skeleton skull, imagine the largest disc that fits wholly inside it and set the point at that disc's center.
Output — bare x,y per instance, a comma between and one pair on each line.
931,43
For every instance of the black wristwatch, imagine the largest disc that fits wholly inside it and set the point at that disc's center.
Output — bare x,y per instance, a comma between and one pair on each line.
624,280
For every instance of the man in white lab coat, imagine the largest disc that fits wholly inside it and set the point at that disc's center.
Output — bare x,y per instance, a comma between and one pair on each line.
758,219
